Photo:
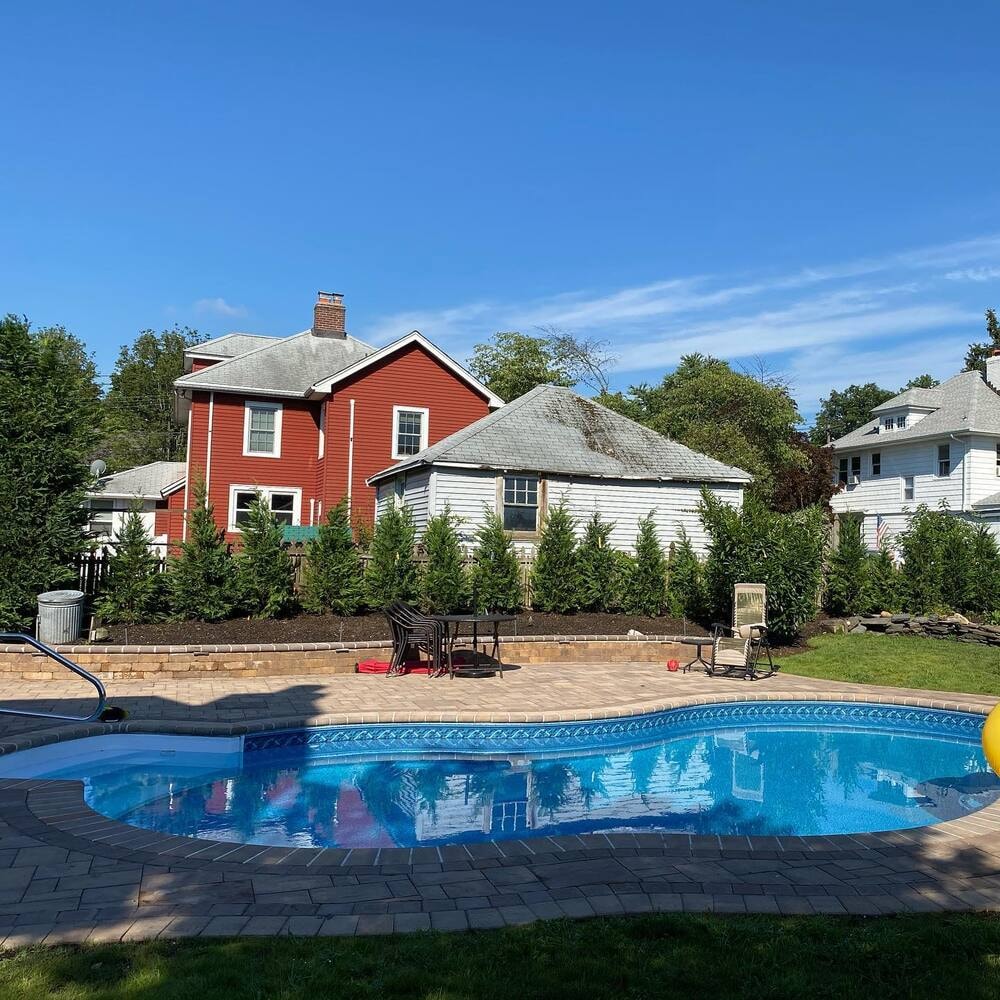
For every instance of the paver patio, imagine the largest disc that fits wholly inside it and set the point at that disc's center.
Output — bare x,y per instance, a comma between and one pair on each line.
69,874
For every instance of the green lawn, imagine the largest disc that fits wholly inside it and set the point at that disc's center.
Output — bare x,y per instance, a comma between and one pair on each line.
940,956
900,661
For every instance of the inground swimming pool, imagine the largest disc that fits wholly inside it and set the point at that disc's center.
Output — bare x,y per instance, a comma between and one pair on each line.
760,768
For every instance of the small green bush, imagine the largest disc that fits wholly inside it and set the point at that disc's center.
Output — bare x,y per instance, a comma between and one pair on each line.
444,588
846,569
132,592
202,577
264,572
392,573
596,565
647,588
685,583
881,589
555,577
332,577
496,575
757,545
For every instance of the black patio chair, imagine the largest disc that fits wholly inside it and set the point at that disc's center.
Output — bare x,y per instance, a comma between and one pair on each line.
413,630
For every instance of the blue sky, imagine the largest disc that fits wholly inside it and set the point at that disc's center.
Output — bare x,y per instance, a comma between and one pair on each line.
816,184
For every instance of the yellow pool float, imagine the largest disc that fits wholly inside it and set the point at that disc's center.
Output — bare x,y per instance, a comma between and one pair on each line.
991,739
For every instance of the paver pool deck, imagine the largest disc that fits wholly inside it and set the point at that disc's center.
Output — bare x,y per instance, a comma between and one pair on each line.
68,874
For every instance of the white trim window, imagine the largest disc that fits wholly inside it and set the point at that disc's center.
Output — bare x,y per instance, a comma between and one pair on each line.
944,460
285,503
262,429
101,520
876,464
909,488
998,459
520,503
409,430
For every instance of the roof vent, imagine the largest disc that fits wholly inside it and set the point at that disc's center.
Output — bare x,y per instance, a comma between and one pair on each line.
329,315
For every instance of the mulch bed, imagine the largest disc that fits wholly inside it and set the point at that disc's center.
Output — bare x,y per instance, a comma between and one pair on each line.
361,628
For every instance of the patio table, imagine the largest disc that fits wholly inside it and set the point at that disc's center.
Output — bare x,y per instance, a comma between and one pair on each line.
699,642
452,634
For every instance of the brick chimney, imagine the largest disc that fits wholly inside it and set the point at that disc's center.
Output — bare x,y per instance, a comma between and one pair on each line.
329,315
993,369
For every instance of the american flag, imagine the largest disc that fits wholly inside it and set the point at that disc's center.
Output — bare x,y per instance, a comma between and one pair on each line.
881,530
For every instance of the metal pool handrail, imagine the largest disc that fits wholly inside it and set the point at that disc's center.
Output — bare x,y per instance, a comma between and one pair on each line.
69,665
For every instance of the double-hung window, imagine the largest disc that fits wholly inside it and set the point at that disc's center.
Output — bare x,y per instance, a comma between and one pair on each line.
520,503
908,488
409,430
944,460
998,459
284,504
855,468
876,463
262,429
842,472
100,520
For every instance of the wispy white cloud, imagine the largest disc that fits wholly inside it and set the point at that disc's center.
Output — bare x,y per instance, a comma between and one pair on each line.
827,325
219,307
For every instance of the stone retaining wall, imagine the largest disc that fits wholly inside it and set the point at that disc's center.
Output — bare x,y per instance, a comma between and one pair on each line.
931,626
283,659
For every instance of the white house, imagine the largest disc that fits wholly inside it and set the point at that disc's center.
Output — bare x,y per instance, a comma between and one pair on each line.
921,447
551,445
153,489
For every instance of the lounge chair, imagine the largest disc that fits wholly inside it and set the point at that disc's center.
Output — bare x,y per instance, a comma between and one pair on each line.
742,648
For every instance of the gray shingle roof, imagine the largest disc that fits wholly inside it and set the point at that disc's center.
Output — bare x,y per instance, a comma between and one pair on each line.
552,429
919,397
148,481
991,502
966,403
286,367
231,345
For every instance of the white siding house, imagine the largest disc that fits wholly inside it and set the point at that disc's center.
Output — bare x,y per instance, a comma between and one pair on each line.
145,487
553,446
925,446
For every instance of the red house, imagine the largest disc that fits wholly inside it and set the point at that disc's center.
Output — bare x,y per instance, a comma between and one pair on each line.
306,419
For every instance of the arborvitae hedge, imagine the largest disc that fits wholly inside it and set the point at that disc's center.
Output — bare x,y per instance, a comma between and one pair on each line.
555,575
444,588
264,571
685,581
597,569
332,576
846,570
132,592
392,573
496,575
647,591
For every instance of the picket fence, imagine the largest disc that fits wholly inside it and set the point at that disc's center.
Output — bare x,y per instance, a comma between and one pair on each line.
92,567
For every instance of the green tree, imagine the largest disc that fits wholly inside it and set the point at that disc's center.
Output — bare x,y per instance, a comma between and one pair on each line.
141,424
264,572
496,575
555,577
881,589
758,545
48,422
844,411
921,382
332,577
597,570
392,573
977,354
800,484
647,590
443,586
131,592
735,417
982,596
685,583
513,363
845,574
202,577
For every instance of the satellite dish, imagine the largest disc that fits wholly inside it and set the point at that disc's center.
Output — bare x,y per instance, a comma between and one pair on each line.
97,467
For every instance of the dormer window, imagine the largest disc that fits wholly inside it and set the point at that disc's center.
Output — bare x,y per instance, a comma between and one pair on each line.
901,422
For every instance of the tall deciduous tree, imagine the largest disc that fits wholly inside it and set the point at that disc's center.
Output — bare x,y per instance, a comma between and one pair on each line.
48,421
843,411
746,421
978,353
141,424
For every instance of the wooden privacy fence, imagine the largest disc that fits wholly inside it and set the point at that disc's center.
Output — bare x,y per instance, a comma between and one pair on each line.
92,567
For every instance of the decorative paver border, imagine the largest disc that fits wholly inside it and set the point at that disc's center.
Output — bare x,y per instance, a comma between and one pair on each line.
77,875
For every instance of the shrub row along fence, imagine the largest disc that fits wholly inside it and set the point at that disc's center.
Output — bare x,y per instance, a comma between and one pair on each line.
92,568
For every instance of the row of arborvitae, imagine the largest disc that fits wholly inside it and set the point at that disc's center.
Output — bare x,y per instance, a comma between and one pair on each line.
947,564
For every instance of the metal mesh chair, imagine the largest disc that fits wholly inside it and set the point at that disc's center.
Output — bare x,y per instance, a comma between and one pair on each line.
412,630
743,647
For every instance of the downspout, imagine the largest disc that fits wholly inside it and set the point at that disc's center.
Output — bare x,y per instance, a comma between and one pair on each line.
187,477
208,446
350,458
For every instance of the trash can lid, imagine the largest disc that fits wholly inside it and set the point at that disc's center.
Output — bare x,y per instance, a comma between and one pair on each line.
60,597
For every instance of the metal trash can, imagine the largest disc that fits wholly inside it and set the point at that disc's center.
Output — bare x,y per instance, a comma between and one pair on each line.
60,616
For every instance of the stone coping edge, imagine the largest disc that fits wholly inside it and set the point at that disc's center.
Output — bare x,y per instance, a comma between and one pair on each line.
300,647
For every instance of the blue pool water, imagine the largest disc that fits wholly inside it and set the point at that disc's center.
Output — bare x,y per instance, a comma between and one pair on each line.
760,769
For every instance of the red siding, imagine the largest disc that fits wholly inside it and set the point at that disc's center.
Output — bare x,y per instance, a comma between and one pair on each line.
169,518
411,377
